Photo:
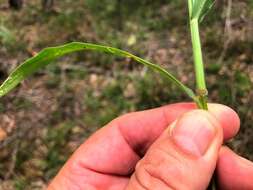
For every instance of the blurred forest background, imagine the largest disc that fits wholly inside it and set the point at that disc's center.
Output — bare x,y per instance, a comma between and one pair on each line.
49,115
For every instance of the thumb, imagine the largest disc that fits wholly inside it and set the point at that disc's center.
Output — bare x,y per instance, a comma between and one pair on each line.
183,157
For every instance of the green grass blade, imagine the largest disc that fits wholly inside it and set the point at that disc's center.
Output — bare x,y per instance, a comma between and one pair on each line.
200,8
49,54
190,5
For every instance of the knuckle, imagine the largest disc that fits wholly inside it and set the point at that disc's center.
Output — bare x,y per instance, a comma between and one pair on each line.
159,166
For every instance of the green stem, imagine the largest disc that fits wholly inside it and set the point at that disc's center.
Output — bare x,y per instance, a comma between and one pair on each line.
198,64
197,52
201,99
200,75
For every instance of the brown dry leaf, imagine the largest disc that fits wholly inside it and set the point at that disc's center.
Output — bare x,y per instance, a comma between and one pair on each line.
130,91
3,134
8,123
93,80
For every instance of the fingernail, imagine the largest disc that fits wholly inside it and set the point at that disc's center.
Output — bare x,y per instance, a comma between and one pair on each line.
194,133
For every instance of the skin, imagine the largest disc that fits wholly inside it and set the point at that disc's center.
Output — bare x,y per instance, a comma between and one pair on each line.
157,149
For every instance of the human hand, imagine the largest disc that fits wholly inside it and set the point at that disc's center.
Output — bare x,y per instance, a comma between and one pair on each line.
172,147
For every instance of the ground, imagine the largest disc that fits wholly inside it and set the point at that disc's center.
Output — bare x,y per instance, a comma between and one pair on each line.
49,115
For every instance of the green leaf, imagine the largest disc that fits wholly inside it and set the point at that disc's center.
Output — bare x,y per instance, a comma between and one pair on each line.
49,54
190,5
200,8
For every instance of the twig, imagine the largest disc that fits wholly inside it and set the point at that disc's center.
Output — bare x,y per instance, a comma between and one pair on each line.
227,31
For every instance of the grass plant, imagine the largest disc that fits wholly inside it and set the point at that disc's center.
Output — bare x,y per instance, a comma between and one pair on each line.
198,9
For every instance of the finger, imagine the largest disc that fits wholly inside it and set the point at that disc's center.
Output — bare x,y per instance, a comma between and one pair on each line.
234,172
183,157
228,119
116,148
141,129
112,150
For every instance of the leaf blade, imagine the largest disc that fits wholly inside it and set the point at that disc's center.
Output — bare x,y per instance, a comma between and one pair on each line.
47,55
200,8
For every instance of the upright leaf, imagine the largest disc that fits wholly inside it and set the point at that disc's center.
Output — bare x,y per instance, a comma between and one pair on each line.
200,8
49,54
